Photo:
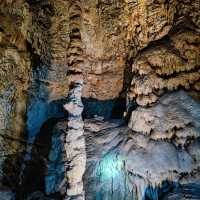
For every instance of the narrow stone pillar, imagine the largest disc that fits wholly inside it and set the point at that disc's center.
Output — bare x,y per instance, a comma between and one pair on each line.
75,144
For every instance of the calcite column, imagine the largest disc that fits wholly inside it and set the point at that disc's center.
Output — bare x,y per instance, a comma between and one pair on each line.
75,144
75,141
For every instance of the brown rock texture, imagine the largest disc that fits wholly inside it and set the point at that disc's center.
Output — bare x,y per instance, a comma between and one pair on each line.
111,34
167,66
14,78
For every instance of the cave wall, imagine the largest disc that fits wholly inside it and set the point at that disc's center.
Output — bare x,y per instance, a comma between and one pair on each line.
136,50
15,74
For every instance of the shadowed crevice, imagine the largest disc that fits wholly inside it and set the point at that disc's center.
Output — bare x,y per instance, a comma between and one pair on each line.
108,109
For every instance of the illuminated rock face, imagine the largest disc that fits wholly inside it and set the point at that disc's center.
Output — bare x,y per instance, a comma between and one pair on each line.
133,163
105,177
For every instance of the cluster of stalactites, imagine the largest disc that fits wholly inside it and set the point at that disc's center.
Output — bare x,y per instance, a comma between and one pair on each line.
166,68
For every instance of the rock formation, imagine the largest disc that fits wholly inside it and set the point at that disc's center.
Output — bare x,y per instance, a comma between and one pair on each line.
75,144
99,99
166,67
139,160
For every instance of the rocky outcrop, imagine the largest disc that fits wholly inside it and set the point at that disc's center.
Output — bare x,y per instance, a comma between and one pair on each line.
115,32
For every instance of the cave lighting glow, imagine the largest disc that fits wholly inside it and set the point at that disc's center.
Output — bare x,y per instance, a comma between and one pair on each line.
110,167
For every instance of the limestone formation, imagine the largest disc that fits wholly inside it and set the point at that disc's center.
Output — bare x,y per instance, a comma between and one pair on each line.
75,141
99,99
168,67
177,133
138,160
174,116
75,144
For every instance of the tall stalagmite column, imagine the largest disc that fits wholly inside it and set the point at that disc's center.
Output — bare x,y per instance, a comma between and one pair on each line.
75,141
75,144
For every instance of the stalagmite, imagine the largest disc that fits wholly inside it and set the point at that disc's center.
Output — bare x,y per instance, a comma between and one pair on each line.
75,141
75,144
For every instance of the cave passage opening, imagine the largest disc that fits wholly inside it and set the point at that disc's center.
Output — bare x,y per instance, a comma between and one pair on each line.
45,159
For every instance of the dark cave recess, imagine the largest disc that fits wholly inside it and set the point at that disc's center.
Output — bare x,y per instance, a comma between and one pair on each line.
108,109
